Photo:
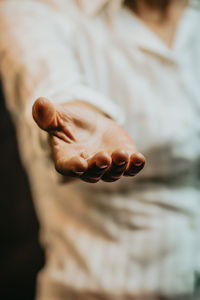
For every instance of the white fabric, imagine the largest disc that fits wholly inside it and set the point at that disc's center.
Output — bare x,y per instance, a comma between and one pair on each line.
136,236
93,7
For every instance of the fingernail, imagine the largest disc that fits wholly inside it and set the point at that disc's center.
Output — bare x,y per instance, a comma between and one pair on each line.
121,163
94,178
79,173
103,166
138,163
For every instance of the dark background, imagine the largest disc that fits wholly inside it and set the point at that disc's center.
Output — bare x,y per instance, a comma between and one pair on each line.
20,254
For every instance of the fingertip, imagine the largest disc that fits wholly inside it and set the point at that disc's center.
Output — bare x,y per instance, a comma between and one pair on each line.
136,164
103,160
120,157
138,159
44,113
39,106
74,167
78,165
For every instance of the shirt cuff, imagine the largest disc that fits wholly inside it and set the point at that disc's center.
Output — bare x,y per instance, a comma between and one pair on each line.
86,94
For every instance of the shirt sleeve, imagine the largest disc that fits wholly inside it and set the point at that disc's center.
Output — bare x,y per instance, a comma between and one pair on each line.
37,58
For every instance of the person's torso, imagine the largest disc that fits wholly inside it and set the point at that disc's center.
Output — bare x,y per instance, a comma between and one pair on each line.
137,228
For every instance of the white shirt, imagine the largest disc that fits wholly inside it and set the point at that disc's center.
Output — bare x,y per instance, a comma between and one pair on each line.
137,236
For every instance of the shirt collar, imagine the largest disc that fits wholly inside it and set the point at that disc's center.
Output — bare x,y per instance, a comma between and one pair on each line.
95,6
146,40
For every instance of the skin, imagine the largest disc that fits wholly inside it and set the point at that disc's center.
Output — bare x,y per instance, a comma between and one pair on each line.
86,143
163,24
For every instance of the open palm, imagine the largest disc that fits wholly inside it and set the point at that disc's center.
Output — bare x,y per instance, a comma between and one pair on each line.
86,143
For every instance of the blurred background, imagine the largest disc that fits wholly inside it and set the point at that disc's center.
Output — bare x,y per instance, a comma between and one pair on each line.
20,254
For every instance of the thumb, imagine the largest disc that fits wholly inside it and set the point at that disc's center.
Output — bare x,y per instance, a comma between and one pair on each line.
44,114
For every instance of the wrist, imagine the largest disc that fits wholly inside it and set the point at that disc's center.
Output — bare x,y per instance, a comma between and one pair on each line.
84,104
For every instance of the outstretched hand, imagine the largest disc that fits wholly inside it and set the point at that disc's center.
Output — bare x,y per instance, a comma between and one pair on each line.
86,143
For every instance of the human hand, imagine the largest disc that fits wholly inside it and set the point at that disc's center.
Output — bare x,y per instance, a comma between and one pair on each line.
86,143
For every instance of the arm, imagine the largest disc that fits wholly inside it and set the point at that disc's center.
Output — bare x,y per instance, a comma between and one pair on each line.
36,61
37,58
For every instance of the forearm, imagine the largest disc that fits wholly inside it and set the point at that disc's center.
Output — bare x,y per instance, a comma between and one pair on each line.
37,59
33,59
